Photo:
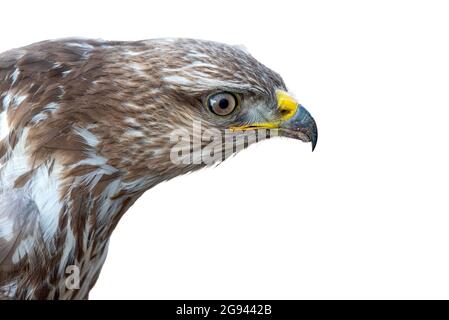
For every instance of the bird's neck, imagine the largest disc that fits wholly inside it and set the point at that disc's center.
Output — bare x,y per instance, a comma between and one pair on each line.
87,221
69,228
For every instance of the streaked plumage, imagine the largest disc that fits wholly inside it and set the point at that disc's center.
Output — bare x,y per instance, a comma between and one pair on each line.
85,129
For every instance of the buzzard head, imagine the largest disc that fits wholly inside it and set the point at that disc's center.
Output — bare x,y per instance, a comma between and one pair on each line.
183,104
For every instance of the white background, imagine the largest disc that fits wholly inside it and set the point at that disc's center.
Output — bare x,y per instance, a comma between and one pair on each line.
364,216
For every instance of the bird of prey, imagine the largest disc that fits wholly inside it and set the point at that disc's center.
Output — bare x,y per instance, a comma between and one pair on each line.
87,126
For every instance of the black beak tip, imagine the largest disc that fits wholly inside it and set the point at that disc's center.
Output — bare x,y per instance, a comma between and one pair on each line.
314,139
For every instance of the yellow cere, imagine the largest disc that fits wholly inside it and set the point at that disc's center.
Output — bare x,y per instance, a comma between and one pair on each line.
287,105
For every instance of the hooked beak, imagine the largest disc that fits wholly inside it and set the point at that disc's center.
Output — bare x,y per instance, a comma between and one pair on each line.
294,121
298,123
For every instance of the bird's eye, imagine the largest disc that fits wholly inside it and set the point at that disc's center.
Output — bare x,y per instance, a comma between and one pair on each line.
223,103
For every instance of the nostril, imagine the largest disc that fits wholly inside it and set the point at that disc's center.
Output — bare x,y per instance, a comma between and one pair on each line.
286,113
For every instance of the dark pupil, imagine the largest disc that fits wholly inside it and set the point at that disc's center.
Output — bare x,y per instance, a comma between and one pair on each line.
224,103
